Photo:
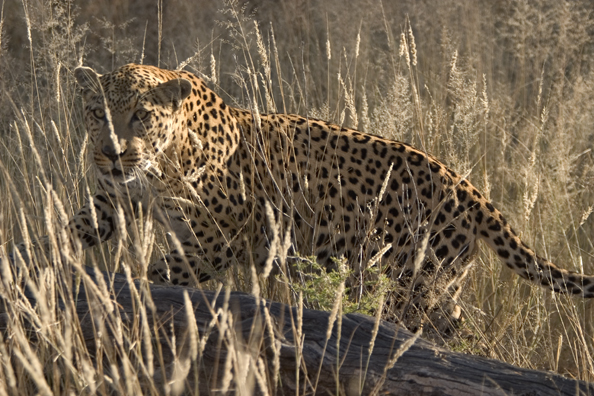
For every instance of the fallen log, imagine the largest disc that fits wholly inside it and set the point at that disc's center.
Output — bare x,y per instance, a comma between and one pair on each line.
198,337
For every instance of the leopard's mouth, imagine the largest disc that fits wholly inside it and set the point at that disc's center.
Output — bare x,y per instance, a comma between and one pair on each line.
118,175
128,174
114,171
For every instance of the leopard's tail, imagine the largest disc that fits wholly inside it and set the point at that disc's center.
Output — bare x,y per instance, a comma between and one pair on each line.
498,234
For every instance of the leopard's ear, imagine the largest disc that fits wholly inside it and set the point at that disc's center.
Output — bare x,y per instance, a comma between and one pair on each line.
87,78
173,92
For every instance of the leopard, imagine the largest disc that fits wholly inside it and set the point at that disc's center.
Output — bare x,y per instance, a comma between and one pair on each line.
225,182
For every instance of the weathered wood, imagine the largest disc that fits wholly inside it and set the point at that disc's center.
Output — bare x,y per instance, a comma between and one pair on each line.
340,365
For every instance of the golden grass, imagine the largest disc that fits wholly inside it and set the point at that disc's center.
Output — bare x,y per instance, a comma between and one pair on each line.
502,92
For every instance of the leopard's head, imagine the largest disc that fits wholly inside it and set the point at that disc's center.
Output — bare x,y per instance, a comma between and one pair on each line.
131,116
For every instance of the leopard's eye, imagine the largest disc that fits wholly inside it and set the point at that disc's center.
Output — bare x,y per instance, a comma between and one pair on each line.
99,113
141,114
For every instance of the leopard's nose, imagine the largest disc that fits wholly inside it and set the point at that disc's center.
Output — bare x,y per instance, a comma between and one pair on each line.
111,153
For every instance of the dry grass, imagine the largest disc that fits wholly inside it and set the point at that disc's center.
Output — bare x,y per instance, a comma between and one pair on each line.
503,91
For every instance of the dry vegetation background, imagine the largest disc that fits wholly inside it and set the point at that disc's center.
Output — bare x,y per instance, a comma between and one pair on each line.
503,90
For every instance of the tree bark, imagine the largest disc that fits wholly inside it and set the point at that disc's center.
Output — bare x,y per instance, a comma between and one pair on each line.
399,364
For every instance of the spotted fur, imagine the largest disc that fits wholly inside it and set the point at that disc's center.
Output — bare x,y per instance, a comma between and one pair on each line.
163,138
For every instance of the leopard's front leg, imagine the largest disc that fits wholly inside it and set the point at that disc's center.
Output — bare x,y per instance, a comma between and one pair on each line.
197,262
92,224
